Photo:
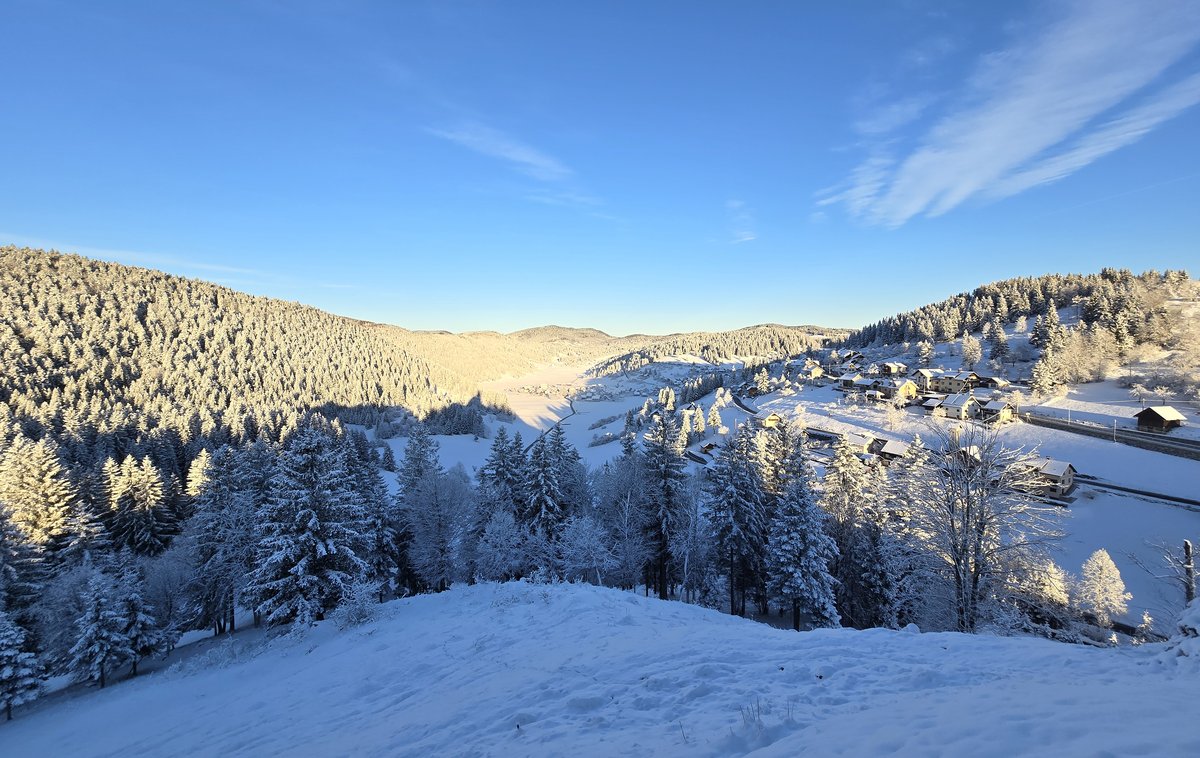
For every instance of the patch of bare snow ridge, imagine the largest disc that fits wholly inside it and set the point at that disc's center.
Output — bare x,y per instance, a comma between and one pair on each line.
567,670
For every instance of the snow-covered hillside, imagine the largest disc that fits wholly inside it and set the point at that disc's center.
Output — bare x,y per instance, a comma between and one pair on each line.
557,670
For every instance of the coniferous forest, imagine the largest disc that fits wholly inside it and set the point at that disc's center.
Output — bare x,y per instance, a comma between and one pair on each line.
173,453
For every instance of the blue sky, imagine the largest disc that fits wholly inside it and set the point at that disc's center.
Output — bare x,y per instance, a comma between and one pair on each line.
633,167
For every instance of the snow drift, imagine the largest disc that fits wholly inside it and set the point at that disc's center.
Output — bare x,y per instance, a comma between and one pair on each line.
533,670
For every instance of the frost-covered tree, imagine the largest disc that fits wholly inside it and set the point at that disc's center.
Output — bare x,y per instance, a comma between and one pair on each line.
420,458
140,628
664,476
38,492
100,645
501,554
800,556
388,461
762,380
972,352
974,519
714,417
699,425
1046,376
544,504
140,519
1101,589
19,681
999,350
435,511
308,550
925,353
736,501
584,551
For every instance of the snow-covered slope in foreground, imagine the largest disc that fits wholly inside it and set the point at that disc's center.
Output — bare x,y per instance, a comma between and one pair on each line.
586,671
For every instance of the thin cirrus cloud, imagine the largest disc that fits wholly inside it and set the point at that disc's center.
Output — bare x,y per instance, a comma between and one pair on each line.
495,144
1032,113
741,222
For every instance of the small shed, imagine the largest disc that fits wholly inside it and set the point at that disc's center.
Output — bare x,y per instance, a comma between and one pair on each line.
861,443
932,404
1159,418
892,449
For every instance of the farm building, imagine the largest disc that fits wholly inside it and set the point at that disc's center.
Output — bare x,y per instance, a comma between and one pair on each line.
993,382
891,450
1161,418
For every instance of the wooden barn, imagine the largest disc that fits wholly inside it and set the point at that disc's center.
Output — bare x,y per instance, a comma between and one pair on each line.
1160,418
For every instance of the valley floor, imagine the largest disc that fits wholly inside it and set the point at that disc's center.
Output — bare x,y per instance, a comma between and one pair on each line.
531,670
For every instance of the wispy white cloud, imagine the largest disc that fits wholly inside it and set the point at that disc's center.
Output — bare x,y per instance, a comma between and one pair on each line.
563,198
1026,101
495,144
741,222
893,115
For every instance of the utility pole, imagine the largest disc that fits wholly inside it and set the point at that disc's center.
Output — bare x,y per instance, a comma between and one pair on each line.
1189,572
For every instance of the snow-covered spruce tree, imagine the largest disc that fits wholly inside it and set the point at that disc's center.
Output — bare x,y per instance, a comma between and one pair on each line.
972,352
19,682
800,555
664,473
714,417
100,645
38,492
420,458
381,551
735,499
925,353
999,350
973,517
867,587
308,551
198,472
544,504
388,461
219,528
21,574
140,627
570,470
1101,589
140,520
1046,375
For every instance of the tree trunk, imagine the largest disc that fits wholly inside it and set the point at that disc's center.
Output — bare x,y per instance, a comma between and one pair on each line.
133,671
8,711
732,594
101,677
796,615
1189,572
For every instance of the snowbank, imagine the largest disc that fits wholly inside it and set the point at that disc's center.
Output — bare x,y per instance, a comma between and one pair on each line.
585,671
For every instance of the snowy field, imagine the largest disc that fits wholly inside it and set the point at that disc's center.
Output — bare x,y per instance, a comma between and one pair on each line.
566,670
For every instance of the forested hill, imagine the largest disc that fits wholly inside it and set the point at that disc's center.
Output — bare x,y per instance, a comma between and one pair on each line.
1115,299
764,340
